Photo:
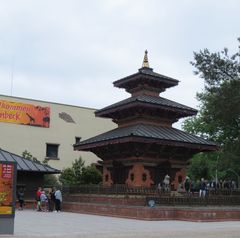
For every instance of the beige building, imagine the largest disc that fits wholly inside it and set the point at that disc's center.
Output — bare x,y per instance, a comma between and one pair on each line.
48,130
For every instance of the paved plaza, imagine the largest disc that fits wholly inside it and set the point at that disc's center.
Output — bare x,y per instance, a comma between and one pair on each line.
30,223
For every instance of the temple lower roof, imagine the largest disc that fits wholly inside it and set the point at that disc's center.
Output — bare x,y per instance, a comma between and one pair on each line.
154,134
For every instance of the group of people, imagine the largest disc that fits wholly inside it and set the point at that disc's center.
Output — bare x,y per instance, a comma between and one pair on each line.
49,201
202,186
205,186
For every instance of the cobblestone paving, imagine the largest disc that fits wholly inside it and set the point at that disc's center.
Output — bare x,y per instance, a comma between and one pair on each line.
70,225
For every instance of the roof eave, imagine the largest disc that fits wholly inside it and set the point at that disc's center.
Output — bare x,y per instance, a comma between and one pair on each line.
167,80
38,171
106,112
132,138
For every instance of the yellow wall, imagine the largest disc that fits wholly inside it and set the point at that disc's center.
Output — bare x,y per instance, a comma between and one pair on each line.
16,138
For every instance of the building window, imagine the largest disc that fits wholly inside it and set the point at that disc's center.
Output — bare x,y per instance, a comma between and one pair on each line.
52,151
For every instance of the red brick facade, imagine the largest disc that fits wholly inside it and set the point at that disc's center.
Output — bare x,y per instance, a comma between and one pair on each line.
180,175
107,179
139,176
134,207
154,214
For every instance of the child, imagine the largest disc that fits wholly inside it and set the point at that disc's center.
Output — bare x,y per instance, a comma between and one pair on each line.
44,201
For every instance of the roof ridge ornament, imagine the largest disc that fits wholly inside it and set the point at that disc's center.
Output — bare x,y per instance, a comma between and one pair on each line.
145,63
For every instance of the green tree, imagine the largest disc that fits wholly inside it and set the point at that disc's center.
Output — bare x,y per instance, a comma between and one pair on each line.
219,115
203,165
78,167
27,155
67,177
91,175
80,174
51,180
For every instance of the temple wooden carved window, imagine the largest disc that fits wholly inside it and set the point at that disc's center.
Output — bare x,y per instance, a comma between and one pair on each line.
144,177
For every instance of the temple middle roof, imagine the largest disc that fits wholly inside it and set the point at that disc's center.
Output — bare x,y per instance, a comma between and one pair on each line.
157,101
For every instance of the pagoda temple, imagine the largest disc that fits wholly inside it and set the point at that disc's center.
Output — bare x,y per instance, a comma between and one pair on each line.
145,147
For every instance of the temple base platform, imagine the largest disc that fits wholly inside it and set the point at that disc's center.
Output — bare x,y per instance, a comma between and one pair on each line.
136,207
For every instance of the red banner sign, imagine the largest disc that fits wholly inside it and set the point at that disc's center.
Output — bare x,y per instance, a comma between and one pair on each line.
25,114
6,188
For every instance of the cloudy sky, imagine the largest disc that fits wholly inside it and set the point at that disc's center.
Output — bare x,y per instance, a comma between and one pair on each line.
70,51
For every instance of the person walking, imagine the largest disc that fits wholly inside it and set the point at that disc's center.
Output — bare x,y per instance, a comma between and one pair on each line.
51,199
38,195
187,186
203,188
58,200
44,201
20,196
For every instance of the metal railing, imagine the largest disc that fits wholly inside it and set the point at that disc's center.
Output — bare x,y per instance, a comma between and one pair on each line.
226,197
124,189
194,201
115,189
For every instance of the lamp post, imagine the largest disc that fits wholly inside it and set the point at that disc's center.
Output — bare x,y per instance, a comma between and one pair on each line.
238,178
216,179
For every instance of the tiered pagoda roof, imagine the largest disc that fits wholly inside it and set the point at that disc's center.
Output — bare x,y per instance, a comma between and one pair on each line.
146,76
146,117
148,134
141,101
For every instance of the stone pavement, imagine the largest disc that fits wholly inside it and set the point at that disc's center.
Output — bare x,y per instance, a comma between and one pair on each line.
29,224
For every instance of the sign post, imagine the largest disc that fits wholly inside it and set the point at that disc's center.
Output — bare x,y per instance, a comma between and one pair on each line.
8,174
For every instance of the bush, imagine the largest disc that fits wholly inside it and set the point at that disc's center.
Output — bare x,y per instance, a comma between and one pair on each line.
91,175
51,180
79,174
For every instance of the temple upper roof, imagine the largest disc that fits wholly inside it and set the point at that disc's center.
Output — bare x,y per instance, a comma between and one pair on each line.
146,78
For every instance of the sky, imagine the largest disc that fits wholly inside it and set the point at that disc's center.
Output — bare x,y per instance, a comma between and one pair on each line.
71,51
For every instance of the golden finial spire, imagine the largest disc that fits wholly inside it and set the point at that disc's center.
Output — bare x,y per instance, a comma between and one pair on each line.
145,60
